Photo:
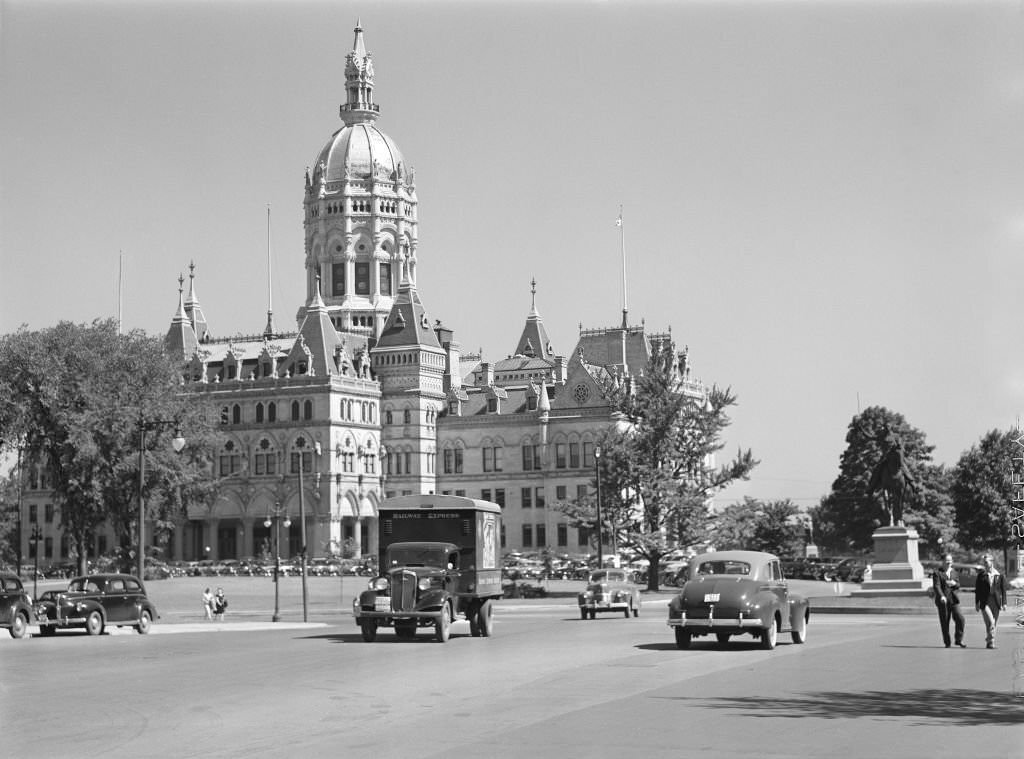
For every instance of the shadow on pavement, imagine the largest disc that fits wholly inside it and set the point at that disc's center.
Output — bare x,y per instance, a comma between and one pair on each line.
952,706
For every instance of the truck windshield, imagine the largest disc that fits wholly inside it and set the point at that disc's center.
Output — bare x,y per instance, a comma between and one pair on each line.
418,556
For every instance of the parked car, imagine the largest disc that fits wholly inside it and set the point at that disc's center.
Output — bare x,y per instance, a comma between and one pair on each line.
736,592
851,569
609,590
95,602
15,605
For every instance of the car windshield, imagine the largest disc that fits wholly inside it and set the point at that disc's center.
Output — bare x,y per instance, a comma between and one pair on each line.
723,567
416,556
608,576
84,585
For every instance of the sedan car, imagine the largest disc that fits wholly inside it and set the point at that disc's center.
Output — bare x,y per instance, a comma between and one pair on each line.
734,593
15,605
95,601
609,590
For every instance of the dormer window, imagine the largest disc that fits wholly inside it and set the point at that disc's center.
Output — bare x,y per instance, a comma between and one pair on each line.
492,405
531,403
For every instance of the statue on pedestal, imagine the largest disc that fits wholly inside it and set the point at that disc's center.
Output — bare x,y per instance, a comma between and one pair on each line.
892,476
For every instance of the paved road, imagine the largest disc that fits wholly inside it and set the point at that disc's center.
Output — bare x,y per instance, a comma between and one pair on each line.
546,685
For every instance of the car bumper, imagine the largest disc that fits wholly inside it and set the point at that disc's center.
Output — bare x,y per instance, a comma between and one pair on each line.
721,624
390,616
604,606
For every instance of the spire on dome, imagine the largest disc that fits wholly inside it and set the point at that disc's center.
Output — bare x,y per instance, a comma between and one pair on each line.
192,308
534,341
358,106
181,340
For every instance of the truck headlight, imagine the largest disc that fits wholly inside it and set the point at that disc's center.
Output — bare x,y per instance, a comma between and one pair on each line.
424,584
379,583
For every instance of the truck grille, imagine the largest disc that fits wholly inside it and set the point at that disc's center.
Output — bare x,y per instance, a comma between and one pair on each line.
403,591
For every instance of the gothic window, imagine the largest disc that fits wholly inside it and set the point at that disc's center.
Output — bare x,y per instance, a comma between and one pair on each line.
295,411
236,414
307,410
271,412
338,279
230,459
362,277
385,279
265,458
560,460
406,416
574,455
259,412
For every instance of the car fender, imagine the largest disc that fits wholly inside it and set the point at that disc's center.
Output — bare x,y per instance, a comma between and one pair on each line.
433,599
799,607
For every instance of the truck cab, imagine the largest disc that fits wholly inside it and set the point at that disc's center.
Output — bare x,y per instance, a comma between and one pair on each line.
439,561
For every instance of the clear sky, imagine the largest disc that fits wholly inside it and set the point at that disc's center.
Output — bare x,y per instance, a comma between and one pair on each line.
823,200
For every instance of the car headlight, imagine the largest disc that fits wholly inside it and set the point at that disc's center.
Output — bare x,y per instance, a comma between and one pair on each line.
424,583
379,583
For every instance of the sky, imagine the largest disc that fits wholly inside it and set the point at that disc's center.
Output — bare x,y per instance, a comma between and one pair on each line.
823,200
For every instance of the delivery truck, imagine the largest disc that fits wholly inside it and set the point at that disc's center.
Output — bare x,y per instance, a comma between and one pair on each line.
439,560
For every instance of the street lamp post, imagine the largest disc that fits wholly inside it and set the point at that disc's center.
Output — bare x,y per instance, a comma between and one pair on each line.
301,444
178,444
597,468
21,497
35,537
280,513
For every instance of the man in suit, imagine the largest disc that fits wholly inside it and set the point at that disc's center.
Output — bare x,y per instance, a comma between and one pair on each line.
989,597
945,586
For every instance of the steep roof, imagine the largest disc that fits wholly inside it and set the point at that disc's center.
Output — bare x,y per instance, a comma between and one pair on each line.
407,324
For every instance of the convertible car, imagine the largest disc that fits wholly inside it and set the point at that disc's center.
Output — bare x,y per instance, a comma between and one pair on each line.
736,592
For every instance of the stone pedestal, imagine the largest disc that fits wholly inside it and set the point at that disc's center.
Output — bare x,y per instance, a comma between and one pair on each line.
897,570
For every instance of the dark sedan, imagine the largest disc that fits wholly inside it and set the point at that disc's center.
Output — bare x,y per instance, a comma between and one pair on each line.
736,592
15,606
95,602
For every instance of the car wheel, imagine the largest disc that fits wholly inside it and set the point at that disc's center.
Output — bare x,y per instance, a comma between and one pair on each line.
770,636
47,630
683,638
369,630
94,623
636,610
145,623
627,610
19,625
485,617
593,613
583,613
799,631
443,626
723,638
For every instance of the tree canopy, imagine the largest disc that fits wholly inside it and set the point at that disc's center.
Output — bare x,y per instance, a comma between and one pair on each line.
656,476
756,525
77,397
986,480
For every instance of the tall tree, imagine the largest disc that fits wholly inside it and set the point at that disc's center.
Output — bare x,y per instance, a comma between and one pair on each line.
656,481
986,480
760,526
847,517
79,395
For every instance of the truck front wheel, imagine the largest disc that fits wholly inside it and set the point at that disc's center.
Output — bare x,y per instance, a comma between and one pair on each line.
369,629
443,626
485,619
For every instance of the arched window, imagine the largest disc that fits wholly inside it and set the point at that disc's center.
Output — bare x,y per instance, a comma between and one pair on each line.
295,411
271,412
265,458
387,417
307,410
407,416
259,412
236,414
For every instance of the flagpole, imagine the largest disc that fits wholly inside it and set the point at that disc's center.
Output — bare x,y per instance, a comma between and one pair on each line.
622,245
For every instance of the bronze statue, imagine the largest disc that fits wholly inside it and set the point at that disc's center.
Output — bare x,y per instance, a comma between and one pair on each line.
892,476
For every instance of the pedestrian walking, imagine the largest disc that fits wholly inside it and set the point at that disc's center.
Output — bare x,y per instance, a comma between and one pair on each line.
989,597
220,605
944,589
208,603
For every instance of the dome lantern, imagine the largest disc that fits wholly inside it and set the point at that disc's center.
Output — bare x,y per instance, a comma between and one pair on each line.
358,106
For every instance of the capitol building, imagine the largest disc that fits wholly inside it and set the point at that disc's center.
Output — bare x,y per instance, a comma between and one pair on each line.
369,396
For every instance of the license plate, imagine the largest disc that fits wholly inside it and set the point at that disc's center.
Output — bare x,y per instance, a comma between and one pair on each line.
711,598
382,603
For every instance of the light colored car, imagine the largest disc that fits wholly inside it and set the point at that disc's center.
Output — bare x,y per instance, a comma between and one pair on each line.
734,593
609,590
